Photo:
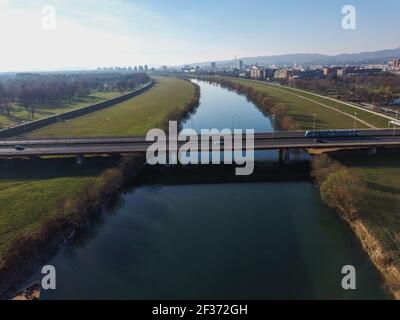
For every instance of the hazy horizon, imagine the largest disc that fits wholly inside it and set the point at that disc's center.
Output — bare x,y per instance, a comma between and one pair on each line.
90,34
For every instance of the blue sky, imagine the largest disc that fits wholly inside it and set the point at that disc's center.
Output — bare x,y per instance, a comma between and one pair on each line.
92,33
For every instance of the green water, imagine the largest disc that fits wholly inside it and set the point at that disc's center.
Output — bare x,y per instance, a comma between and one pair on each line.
224,241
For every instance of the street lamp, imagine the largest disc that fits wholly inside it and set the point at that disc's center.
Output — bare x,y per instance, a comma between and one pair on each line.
355,119
315,115
273,126
395,123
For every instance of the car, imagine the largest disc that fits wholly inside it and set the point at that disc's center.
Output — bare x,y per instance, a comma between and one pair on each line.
319,140
19,147
220,142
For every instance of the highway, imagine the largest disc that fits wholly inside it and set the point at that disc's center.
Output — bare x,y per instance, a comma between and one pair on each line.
126,145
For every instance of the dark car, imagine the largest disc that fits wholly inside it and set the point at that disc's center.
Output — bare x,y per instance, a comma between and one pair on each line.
319,141
19,147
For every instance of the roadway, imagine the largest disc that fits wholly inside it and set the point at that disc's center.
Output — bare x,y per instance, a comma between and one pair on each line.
126,145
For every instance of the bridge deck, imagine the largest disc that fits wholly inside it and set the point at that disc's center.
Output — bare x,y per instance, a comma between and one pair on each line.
126,145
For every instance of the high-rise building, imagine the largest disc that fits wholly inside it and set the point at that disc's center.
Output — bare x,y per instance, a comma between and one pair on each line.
213,67
394,65
269,73
283,74
257,72
240,65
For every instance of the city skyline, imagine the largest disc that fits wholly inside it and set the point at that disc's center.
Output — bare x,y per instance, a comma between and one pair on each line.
127,33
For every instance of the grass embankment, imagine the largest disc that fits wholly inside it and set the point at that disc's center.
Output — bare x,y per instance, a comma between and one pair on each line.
44,198
31,191
302,106
20,114
364,189
132,117
366,192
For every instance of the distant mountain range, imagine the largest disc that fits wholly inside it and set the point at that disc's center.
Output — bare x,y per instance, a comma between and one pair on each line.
374,57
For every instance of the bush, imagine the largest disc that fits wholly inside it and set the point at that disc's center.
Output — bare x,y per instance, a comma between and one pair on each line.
322,166
343,191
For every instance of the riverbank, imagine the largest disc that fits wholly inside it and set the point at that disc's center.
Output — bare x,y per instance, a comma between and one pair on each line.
53,205
169,98
379,228
269,107
347,189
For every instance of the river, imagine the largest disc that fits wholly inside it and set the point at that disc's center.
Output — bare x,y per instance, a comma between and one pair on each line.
219,240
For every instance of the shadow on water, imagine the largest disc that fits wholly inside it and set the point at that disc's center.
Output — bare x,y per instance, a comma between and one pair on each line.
183,233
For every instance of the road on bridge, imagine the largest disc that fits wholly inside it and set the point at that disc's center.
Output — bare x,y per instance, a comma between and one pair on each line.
126,145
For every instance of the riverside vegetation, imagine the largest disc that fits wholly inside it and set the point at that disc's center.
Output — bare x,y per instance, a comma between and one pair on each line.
74,198
365,192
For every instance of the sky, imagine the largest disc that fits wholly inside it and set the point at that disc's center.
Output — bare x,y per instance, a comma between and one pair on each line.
86,34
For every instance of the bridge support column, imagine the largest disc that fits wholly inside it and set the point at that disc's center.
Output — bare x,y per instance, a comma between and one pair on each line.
80,159
284,155
372,151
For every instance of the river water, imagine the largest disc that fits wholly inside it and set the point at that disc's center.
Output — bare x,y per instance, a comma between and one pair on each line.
220,240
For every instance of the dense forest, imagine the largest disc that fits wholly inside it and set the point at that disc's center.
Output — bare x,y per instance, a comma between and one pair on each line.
35,90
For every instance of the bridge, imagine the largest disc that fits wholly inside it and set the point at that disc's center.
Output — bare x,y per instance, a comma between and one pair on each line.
371,139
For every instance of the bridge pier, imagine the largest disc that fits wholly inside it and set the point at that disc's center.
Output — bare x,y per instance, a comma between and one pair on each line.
284,155
80,159
372,151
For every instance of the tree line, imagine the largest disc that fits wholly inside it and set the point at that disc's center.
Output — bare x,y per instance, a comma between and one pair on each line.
34,90
379,89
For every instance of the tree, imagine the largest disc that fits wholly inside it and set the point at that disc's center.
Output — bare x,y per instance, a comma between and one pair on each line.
343,191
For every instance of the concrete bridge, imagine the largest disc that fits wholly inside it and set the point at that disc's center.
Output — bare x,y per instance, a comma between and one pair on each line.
282,141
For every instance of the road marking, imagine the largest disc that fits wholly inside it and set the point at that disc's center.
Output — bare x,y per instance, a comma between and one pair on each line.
326,106
342,102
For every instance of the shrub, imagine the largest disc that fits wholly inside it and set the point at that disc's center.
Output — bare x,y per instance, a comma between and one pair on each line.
343,191
322,166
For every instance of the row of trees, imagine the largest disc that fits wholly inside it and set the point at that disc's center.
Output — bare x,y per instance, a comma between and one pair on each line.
380,89
35,90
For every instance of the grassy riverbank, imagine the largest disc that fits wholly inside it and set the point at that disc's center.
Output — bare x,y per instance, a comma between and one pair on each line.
377,224
133,117
38,193
302,106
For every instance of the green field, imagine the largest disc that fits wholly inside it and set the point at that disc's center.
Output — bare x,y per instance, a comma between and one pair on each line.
303,110
133,117
31,190
19,114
